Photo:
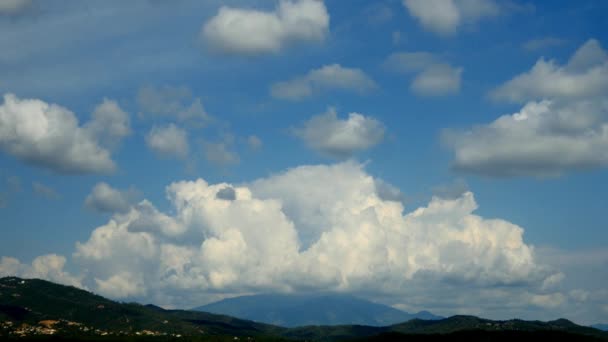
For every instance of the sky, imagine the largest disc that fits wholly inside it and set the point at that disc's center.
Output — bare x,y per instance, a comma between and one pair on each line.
444,155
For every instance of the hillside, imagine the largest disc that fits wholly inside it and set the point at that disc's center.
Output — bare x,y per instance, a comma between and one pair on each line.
603,327
37,308
313,309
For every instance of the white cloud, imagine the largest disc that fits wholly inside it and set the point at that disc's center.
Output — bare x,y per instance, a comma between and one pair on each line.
248,31
433,77
445,17
567,131
168,141
49,136
310,228
585,75
327,77
49,267
174,102
44,191
436,80
338,138
104,198
12,7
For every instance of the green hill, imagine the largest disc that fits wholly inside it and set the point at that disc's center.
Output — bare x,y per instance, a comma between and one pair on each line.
40,309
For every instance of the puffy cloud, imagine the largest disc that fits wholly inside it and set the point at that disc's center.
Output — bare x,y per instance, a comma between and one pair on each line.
444,17
45,191
585,75
104,198
328,134
49,136
328,77
49,267
168,141
433,77
322,227
248,31
566,131
109,123
169,101
13,7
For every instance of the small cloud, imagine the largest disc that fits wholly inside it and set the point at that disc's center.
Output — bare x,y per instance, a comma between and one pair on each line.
543,43
328,77
172,102
168,141
45,191
397,37
103,198
338,138
254,142
242,31
451,190
14,7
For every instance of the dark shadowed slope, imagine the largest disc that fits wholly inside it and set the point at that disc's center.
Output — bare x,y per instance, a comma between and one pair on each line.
313,309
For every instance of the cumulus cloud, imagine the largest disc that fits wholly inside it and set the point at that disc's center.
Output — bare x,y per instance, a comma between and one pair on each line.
168,141
49,136
48,267
109,123
433,77
563,125
340,138
220,153
104,198
322,227
445,17
172,102
327,77
13,7
585,75
249,31
543,43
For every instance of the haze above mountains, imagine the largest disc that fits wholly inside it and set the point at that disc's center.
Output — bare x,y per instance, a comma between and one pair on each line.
292,310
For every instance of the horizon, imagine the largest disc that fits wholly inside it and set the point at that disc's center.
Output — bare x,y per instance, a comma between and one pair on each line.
446,158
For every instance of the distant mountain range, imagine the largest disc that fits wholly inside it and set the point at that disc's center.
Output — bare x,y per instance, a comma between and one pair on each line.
293,310
603,327
40,310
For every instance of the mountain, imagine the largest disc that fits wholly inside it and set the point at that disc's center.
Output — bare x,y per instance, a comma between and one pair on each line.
313,309
41,310
603,327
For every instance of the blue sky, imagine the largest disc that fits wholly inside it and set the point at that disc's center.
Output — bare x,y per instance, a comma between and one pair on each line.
476,122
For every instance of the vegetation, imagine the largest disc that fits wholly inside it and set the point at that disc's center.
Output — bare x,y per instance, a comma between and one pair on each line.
40,310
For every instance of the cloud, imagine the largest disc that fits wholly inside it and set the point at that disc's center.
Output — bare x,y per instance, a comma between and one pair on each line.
445,17
172,102
543,43
44,191
109,123
49,136
321,227
250,32
439,79
567,131
14,7
585,75
327,77
433,77
329,135
168,141
103,198
49,267
219,153
254,142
